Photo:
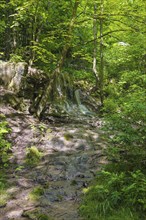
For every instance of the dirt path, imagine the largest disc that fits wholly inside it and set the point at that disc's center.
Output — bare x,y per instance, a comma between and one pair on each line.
72,153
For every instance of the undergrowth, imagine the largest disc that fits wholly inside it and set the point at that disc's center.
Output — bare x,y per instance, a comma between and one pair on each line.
3,187
119,191
5,150
114,195
5,145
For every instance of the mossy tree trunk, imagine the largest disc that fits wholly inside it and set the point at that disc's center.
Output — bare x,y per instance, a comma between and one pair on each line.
56,90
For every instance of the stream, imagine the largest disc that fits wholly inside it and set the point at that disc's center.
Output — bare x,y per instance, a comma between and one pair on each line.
72,154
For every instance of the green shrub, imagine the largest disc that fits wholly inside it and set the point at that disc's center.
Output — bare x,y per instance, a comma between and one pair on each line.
120,190
115,192
16,58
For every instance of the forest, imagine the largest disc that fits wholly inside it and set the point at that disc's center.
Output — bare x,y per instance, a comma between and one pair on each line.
73,109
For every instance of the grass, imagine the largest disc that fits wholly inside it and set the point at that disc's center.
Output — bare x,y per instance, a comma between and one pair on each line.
115,196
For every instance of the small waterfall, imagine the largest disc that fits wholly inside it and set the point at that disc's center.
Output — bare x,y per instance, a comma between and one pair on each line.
81,107
77,96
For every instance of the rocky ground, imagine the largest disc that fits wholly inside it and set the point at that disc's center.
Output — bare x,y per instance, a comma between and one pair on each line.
72,153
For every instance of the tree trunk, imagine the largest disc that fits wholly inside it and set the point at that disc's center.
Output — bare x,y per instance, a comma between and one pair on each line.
95,49
101,72
8,45
34,32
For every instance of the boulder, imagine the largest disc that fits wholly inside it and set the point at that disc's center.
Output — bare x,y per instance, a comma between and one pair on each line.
11,75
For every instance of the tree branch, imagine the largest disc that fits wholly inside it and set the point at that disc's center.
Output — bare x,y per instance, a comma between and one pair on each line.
103,35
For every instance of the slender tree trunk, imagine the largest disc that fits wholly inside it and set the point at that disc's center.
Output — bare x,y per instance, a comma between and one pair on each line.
34,31
95,72
7,34
101,72
48,94
15,43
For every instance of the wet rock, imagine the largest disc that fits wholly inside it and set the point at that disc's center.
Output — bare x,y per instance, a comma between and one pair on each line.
35,214
45,203
15,214
53,197
68,165
82,159
60,164
81,147
81,175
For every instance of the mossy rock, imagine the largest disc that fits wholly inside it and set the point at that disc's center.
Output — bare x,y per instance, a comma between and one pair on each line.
13,100
68,136
36,214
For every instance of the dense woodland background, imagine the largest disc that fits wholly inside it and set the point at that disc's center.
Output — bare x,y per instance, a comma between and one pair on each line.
99,48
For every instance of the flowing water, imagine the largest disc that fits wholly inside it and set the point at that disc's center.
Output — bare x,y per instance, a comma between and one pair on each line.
72,154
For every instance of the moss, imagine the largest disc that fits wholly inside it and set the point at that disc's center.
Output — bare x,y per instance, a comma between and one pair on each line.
44,217
36,193
68,136
33,156
36,214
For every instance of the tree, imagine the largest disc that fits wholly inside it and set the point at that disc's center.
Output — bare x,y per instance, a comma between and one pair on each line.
54,89
95,27
49,36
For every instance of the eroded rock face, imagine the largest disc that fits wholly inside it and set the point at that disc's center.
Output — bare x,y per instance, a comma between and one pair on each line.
11,74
